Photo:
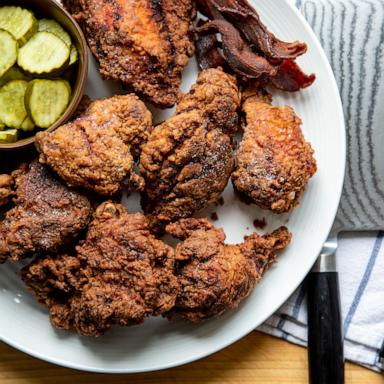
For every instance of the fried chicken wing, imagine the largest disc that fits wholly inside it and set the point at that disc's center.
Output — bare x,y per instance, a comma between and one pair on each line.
94,151
121,274
187,160
274,162
214,276
144,44
46,216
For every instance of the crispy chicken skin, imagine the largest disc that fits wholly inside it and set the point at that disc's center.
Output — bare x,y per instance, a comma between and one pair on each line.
121,274
188,159
143,43
217,97
6,189
214,276
94,151
273,162
46,216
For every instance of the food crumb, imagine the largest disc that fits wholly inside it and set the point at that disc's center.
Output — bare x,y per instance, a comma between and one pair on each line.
214,216
259,223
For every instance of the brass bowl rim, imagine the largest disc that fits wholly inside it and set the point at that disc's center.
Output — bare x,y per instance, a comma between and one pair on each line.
78,92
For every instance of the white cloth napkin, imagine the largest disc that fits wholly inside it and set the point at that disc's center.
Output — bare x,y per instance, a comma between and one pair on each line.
360,256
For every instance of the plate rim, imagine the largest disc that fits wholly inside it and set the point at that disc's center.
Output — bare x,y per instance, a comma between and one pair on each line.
244,332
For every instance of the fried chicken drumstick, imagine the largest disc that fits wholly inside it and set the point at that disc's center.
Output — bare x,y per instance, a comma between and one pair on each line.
46,216
95,151
188,159
144,44
121,274
274,162
214,276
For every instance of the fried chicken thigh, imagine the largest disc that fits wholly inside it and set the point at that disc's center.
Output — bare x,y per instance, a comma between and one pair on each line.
121,274
95,150
144,44
214,276
46,216
188,159
274,162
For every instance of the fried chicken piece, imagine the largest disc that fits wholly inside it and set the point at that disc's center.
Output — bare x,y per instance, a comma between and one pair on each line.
187,160
274,162
129,117
217,97
94,151
120,275
54,280
143,44
6,189
47,214
214,276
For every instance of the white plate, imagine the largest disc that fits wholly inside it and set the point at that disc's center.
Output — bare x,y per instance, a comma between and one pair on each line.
160,344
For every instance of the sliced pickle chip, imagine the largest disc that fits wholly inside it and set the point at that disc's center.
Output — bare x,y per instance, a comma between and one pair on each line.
12,108
46,100
19,22
44,54
49,25
8,136
8,51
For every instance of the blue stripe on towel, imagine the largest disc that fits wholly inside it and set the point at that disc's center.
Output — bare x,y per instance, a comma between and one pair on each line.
364,280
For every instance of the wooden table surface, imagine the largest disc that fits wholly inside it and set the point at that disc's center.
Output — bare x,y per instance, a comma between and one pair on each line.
257,359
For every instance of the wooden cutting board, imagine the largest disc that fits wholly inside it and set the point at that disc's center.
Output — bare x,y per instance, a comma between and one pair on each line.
257,358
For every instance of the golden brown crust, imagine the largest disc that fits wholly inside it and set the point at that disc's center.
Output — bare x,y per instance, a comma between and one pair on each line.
214,276
216,95
188,159
123,275
47,214
93,151
274,162
145,44
128,116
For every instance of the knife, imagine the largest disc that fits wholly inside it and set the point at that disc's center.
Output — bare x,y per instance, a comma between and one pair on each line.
325,339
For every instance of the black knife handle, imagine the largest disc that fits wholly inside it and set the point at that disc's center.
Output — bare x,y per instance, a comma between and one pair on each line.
325,339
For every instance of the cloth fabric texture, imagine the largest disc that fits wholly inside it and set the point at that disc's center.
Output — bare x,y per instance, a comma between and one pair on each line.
352,35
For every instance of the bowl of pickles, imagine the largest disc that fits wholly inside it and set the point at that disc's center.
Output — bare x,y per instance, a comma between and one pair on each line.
43,69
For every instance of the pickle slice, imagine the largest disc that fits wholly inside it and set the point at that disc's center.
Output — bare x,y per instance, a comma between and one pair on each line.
8,51
54,27
12,108
13,73
19,22
73,56
44,54
27,125
46,101
8,136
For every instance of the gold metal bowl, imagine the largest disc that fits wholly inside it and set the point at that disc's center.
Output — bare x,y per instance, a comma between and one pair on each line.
52,9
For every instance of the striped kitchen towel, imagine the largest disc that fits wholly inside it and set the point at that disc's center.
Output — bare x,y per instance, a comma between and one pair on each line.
352,34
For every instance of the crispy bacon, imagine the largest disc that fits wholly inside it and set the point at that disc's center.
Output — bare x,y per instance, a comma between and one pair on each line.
238,56
291,78
247,47
207,51
246,20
